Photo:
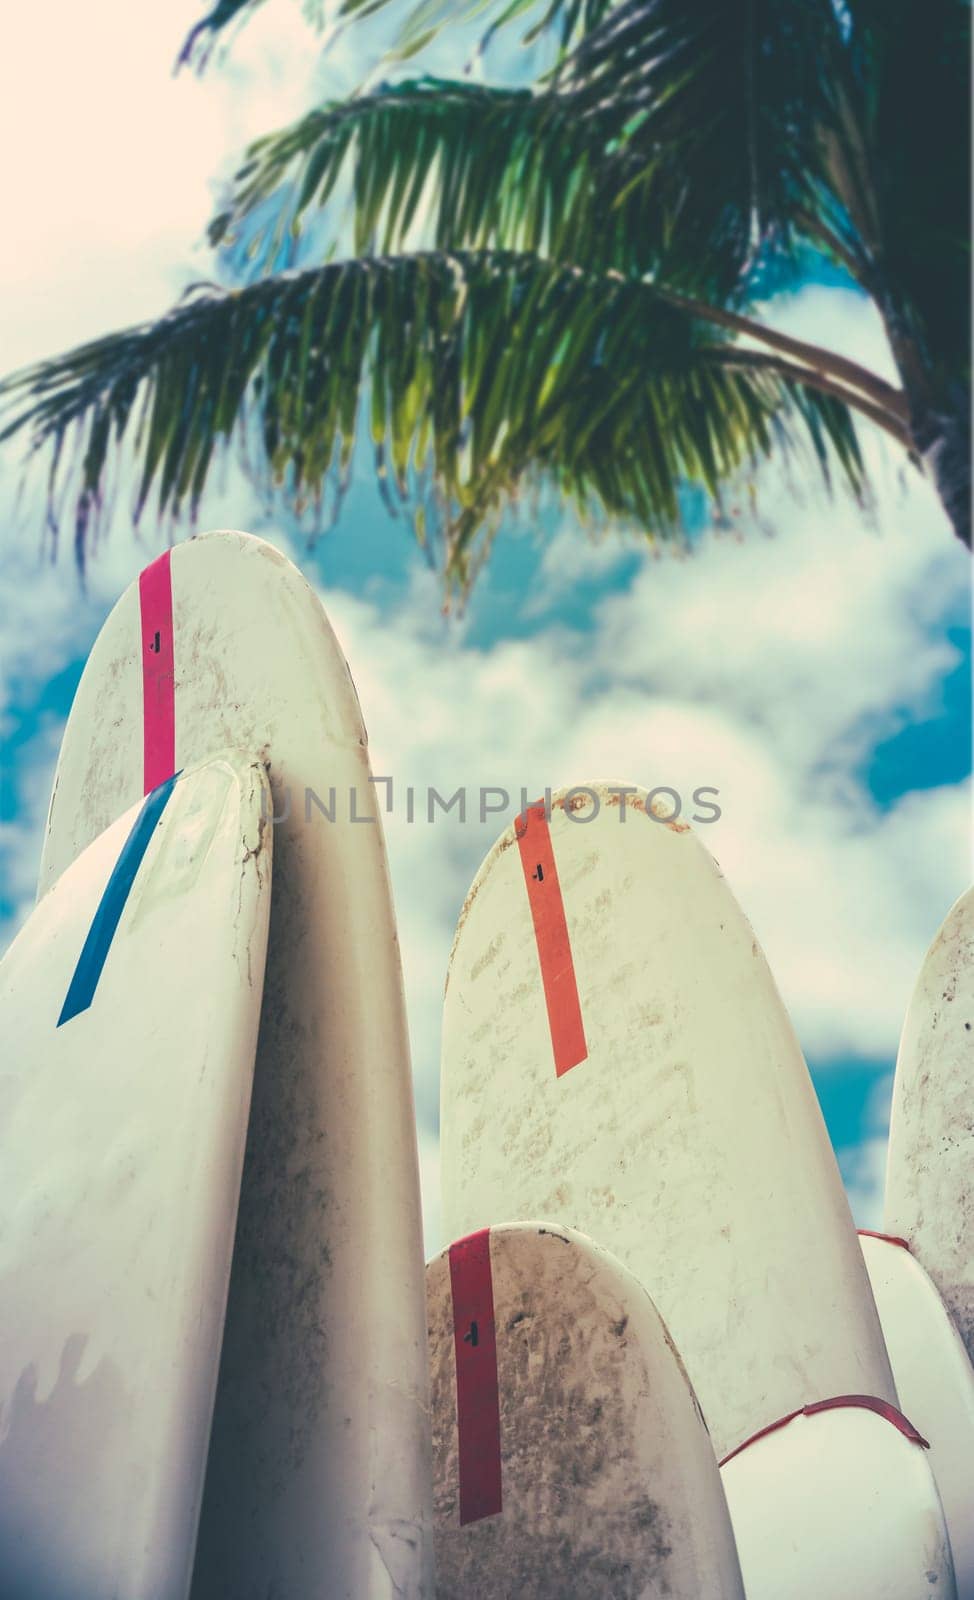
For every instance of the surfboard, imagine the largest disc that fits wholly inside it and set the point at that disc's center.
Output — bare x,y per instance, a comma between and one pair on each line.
129,1007
318,1477
839,1499
569,1454
935,1383
929,1187
616,1055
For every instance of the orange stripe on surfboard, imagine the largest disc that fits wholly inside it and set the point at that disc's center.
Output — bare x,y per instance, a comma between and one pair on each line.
551,935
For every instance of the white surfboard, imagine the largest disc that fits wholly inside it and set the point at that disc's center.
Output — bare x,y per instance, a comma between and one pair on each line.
615,1054
569,1454
929,1187
934,1381
839,1501
318,1477
129,1006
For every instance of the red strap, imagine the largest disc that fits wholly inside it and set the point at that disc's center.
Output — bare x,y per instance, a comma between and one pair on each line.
551,935
478,1403
158,674
861,1402
890,1238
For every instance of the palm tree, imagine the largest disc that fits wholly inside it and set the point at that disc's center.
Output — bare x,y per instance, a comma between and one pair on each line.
555,285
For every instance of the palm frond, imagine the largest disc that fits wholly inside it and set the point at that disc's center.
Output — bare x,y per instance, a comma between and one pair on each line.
566,20
474,165
394,139
203,36
482,372
679,139
725,100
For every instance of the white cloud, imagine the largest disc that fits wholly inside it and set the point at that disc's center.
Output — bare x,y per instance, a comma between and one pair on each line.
429,1181
572,557
864,1173
113,159
840,320
108,185
863,1166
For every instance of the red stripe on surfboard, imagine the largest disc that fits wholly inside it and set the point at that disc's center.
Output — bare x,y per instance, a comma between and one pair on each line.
839,1402
888,1238
158,674
551,936
478,1403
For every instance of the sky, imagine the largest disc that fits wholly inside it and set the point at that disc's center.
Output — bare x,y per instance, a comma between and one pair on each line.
815,667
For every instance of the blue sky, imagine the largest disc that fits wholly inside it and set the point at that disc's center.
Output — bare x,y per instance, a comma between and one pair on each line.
816,668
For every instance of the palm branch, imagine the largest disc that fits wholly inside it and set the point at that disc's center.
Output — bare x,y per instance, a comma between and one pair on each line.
692,143
568,20
461,164
483,372
552,285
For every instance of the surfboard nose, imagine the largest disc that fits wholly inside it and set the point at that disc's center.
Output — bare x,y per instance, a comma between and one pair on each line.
839,1498
569,1454
934,1381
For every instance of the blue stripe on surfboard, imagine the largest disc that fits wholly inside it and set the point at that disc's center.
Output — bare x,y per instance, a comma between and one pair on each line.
81,990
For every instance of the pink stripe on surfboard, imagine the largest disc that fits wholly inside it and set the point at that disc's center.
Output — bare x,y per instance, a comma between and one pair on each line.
158,674
478,1402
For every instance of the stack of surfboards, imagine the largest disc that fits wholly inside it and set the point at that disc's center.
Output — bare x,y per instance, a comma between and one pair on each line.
654,1359
212,1325
617,1060
922,1270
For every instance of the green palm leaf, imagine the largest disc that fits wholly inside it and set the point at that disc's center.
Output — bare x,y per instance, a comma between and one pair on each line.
199,42
469,165
484,371
566,19
724,100
681,140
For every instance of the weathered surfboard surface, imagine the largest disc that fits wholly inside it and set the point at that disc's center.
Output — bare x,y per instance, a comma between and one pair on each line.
616,1054
930,1168
570,1456
935,1383
129,1009
840,1502
318,1480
